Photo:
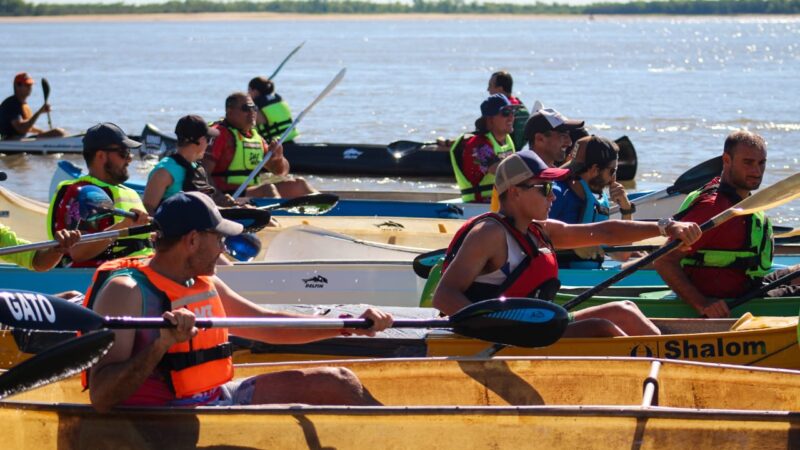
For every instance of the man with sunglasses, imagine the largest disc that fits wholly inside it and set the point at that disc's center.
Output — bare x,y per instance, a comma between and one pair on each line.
16,118
548,135
512,253
182,170
239,149
475,156
501,82
582,199
107,152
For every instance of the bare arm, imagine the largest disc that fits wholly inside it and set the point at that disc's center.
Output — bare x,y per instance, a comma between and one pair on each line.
615,232
669,268
238,306
483,251
278,164
120,373
90,250
45,260
154,190
23,127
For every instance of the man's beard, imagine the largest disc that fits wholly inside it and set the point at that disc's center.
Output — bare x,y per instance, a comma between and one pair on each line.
117,176
743,184
596,184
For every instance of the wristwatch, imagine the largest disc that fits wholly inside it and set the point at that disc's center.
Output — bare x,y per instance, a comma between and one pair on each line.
628,211
663,223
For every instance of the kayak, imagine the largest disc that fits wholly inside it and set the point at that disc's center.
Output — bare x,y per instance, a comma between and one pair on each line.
45,146
399,159
444,403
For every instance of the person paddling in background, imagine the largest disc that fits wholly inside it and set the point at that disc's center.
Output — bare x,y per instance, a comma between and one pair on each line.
107,152
37,260
502,83
582,199
274,115
182,171
239,149
511,253
732,258
475,156
16,118
549,135
187,367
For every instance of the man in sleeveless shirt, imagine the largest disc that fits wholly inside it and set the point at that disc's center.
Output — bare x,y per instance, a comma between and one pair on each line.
511,253
16,118
187,367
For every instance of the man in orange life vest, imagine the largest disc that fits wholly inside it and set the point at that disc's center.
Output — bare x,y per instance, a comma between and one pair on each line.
511,253
735,257
184,366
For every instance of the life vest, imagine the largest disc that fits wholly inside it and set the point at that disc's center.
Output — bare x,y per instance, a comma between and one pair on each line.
124,198
755,257
248,153
483,190
535,276
594,210
195,178
521,116
198,365
279,118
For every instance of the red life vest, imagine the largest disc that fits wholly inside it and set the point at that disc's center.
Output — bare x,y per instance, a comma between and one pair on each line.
535,276
191,367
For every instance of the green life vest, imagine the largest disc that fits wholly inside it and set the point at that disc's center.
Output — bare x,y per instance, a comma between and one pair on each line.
521,116
125,199
248,154
755,258
279,118
484,187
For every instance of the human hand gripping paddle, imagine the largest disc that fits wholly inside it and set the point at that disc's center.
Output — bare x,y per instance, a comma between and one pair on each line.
291,127
513,321
46,92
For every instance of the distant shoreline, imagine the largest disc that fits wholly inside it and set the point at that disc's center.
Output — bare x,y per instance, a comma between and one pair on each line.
265,16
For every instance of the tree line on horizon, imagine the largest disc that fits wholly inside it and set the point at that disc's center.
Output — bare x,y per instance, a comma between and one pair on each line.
674,7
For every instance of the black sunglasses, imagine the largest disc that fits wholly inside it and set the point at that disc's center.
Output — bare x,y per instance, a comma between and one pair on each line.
123,152
506,112
546,187
248,108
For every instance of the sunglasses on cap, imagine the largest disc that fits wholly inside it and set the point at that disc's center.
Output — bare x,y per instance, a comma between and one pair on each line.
545,188
247,107
122,152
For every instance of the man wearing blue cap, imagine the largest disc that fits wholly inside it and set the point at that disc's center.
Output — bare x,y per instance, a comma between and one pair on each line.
512,253
107,152
475,156
184,366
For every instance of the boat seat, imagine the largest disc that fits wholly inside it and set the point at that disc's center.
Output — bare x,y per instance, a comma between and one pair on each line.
690,326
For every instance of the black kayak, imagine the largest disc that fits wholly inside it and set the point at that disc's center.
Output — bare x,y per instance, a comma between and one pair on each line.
397,159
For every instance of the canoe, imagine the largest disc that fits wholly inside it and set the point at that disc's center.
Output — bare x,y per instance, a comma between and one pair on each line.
422,160
451,403
67,144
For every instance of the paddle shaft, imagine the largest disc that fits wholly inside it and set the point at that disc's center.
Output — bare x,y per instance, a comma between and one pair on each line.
285,134
112,234
786,279
280,66
268,322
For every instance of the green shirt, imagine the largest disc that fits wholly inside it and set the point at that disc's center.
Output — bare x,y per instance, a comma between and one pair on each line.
7,239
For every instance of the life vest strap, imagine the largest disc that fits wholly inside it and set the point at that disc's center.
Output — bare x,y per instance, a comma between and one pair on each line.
180,361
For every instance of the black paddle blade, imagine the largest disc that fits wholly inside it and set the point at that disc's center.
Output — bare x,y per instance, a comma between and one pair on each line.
423,263
35,311
628,161
309,205
45,89
56,363
698,176
252,219
523,322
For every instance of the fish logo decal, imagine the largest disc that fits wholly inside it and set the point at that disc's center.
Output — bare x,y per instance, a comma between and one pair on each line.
351,153
390,225
315,282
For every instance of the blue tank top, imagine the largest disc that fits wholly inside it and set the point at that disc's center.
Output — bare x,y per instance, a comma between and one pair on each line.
177,172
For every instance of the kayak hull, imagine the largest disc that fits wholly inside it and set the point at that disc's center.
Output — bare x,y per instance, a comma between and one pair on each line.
436,403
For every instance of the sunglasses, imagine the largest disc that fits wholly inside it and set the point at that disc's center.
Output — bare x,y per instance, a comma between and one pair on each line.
123,152
506,112
546,188
246,108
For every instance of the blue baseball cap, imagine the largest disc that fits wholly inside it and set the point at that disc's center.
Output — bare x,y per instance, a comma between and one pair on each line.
184,212
494,104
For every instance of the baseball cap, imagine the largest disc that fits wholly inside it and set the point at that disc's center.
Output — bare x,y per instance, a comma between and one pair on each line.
494,104
188,211
23,78
522,166
593,150
193,127
104,135
548,119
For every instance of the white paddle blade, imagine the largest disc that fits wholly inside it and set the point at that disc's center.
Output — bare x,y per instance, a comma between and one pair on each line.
773,196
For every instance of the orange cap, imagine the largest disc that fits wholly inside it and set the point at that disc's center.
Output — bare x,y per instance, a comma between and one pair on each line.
23,78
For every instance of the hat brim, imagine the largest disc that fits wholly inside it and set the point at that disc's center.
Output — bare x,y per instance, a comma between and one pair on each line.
229,228
553,173
570,125
130,143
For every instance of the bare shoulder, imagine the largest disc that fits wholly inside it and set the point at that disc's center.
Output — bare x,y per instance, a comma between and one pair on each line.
552,226
120,296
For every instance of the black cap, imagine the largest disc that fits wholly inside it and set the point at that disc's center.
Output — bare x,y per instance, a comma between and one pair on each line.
104,135
193,127
593,150
188,211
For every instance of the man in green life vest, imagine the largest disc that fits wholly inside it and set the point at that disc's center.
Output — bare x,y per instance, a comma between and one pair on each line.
107,152
735,257
274,115
239,149
502,83
475,156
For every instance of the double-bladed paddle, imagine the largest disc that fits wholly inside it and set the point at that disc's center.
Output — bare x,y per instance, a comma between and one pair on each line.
309,205
288,130
46,93
280,66
512,321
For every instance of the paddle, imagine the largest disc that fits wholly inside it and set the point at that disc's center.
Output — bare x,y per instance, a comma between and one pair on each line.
46,92
400,149
288,130
779,193
691,180
761,290
280,66
310,205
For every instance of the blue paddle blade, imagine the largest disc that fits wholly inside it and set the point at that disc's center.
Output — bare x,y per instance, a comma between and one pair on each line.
243,247
94,203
